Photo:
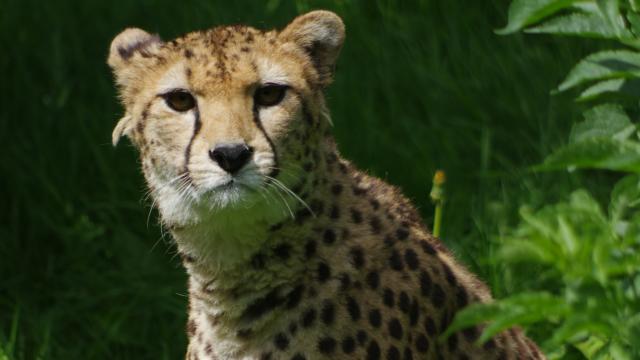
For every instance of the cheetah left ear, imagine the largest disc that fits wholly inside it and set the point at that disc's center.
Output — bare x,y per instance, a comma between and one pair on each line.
321,34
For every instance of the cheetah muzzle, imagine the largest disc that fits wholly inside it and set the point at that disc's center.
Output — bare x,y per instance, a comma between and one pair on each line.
292,253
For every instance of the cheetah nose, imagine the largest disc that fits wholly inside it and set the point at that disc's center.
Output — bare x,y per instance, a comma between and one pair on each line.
231,157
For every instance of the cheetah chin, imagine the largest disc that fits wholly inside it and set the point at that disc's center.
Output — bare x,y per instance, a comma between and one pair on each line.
292,252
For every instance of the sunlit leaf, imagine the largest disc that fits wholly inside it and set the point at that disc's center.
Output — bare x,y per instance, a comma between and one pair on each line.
626,87
625,194
603,121
603,65
579,24
595,153
526,12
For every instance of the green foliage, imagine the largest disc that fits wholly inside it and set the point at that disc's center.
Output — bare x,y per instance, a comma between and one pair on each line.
585,292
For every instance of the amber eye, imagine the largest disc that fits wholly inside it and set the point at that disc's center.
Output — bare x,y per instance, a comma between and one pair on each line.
180,100
269,94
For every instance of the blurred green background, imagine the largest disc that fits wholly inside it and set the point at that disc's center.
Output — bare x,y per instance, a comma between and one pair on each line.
85,272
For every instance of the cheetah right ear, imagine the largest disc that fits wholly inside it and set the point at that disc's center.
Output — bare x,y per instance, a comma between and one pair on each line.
125,46
321,34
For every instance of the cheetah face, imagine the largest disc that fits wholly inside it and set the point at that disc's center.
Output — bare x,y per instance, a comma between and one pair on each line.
215,114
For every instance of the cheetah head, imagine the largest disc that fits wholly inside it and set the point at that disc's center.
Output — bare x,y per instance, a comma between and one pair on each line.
220,115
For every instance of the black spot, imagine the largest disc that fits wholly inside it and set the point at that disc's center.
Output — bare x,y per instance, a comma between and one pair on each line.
404,302
408,354
302,215
276,227
489,345
335,212
375,319
427,248
342,167
294,297
244,333
414,313
395,260
388,297
336,189
324,272
309,249
357,256
395,328
393,353
373,351
317,206
282,251
329,236
373,279
328,312
452,342
356,216
345,281
353,308
308,318
462,297
375,224
375,204
359,191
281,341
293,328
265,356
258,261
389,241
361,336
263,305
348,345
298,356
471,333
327,345
425,283
430,327
437,296
402,233
422,344
188,53
451,279
307,166
411,258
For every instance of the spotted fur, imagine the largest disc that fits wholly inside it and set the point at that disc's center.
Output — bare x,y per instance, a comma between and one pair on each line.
299,255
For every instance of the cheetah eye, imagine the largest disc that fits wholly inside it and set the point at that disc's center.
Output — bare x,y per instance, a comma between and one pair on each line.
180,100
269,94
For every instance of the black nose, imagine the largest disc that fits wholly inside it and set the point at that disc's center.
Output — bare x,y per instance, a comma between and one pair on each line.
231,157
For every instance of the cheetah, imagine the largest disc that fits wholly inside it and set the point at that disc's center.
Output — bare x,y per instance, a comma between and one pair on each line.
291,252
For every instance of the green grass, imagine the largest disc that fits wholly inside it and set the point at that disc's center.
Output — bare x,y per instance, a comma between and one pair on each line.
420,86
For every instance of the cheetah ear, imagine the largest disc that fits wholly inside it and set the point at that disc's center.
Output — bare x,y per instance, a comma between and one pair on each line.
128,43
123,128
321,34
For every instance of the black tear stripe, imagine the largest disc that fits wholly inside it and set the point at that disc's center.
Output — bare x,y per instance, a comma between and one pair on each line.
256,120
196,129
143,119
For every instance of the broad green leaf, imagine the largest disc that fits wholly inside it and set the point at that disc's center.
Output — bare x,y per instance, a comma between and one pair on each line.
567,236
603,121
634,21
472,315
526,12
625,194
611,11
627,87
603,65
585,25
600,153
523,308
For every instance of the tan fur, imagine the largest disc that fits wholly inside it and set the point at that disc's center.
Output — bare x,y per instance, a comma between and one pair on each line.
299,255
